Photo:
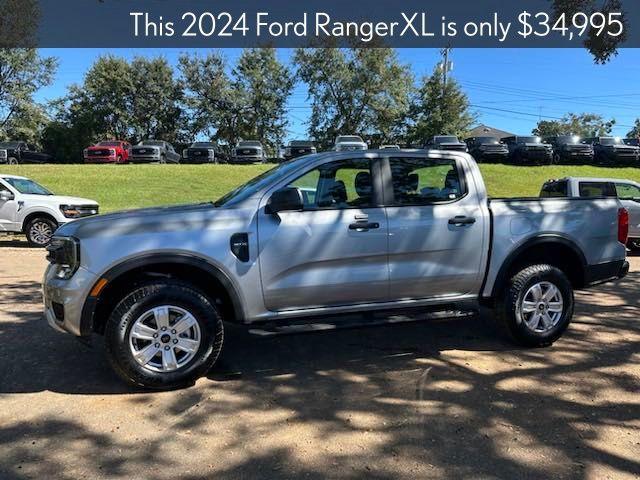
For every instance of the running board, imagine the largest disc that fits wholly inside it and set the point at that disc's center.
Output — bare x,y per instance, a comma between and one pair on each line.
356,321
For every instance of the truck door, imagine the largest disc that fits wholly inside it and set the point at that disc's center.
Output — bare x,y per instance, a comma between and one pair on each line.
629,195
334,251
437,235
8,209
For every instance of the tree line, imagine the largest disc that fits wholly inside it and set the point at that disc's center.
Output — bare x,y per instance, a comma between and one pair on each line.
350,91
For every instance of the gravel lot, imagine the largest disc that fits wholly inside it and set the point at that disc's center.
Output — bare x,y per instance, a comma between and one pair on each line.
426,400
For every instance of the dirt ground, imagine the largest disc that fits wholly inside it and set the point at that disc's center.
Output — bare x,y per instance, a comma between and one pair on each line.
450,399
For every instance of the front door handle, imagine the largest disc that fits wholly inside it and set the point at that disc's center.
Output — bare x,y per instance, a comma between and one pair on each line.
364,226
462,220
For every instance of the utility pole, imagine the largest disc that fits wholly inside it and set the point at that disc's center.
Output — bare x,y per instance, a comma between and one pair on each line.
446,66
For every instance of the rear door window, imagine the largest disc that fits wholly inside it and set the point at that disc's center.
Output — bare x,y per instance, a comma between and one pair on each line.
424,181
597,189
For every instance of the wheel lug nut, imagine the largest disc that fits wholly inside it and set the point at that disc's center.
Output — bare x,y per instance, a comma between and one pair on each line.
164,329
174,331
175,340
157,345
167,347
155,335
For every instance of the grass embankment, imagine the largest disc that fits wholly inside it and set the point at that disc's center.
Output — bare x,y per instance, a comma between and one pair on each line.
118,187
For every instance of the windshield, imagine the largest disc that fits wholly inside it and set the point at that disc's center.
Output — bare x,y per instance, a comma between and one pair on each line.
610,141
300,143
26,186
528,139
203,145
447,139
152,143
250,143
9,144
349,138
568,140
108,144
256,184
491,140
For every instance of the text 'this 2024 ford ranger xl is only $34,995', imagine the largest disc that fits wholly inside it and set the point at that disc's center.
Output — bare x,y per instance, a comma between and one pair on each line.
326,234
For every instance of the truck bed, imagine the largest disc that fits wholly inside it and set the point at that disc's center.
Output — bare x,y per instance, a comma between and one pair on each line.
591,224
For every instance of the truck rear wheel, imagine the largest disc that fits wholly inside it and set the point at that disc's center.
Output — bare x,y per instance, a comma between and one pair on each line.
164,335
537,305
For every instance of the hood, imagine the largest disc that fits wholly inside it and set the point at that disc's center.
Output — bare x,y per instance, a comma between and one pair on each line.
156,219
60,199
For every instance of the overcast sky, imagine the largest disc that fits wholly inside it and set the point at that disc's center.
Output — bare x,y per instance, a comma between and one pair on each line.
510,89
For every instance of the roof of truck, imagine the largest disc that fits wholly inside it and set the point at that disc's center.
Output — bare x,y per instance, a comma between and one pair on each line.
13,176
593,179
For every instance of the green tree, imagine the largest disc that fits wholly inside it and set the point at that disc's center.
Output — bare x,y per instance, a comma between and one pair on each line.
635,131
22,73
362,91
263,85
155,100
583,125
439,110
213,107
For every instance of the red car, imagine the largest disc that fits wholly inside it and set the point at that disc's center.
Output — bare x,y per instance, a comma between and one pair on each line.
112,151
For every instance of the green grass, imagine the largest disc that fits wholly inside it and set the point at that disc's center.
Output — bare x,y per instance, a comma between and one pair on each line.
118,187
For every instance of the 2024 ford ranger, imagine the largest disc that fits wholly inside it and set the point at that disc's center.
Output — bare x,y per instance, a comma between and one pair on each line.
325,234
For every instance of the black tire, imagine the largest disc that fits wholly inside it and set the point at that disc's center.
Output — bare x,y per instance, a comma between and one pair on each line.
510,306
163,159
141,300
634,245
36,229
119,159
12,161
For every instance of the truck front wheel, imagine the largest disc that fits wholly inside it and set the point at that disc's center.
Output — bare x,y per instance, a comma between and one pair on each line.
163,335
537,305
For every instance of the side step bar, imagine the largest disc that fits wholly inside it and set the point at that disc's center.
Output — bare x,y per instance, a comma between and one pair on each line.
356,321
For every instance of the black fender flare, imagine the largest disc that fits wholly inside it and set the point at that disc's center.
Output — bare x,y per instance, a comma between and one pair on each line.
91,302
542,239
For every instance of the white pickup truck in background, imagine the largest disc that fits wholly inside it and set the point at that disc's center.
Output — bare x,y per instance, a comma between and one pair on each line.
627,191
29,208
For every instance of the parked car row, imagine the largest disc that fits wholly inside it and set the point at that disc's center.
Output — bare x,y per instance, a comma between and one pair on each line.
530,149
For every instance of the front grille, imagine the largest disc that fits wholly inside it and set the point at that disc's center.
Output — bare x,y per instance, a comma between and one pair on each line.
197,152
494,149
87,210
144,151
247,151
99,153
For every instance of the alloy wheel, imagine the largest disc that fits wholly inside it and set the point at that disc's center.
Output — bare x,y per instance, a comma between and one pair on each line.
542,307
40,232
164,338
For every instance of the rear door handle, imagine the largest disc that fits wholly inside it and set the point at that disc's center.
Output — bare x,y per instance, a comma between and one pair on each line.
364,226
462,220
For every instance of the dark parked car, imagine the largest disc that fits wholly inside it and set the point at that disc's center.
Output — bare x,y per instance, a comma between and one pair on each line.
528,149
446,142
23,152
634,142
487,149
612,150
202,152
298,148
154,151
570,149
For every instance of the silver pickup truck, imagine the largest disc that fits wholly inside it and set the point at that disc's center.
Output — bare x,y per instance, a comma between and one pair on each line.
318,237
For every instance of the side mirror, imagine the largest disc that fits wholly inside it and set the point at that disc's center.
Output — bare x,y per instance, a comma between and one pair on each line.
5,196
286,199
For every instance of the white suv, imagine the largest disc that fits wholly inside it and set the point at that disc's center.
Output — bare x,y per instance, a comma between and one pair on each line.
29,208
348,143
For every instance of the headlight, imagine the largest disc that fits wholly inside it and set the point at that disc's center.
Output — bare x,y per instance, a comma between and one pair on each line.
212,153
64,252
70,211
112,152
184,154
